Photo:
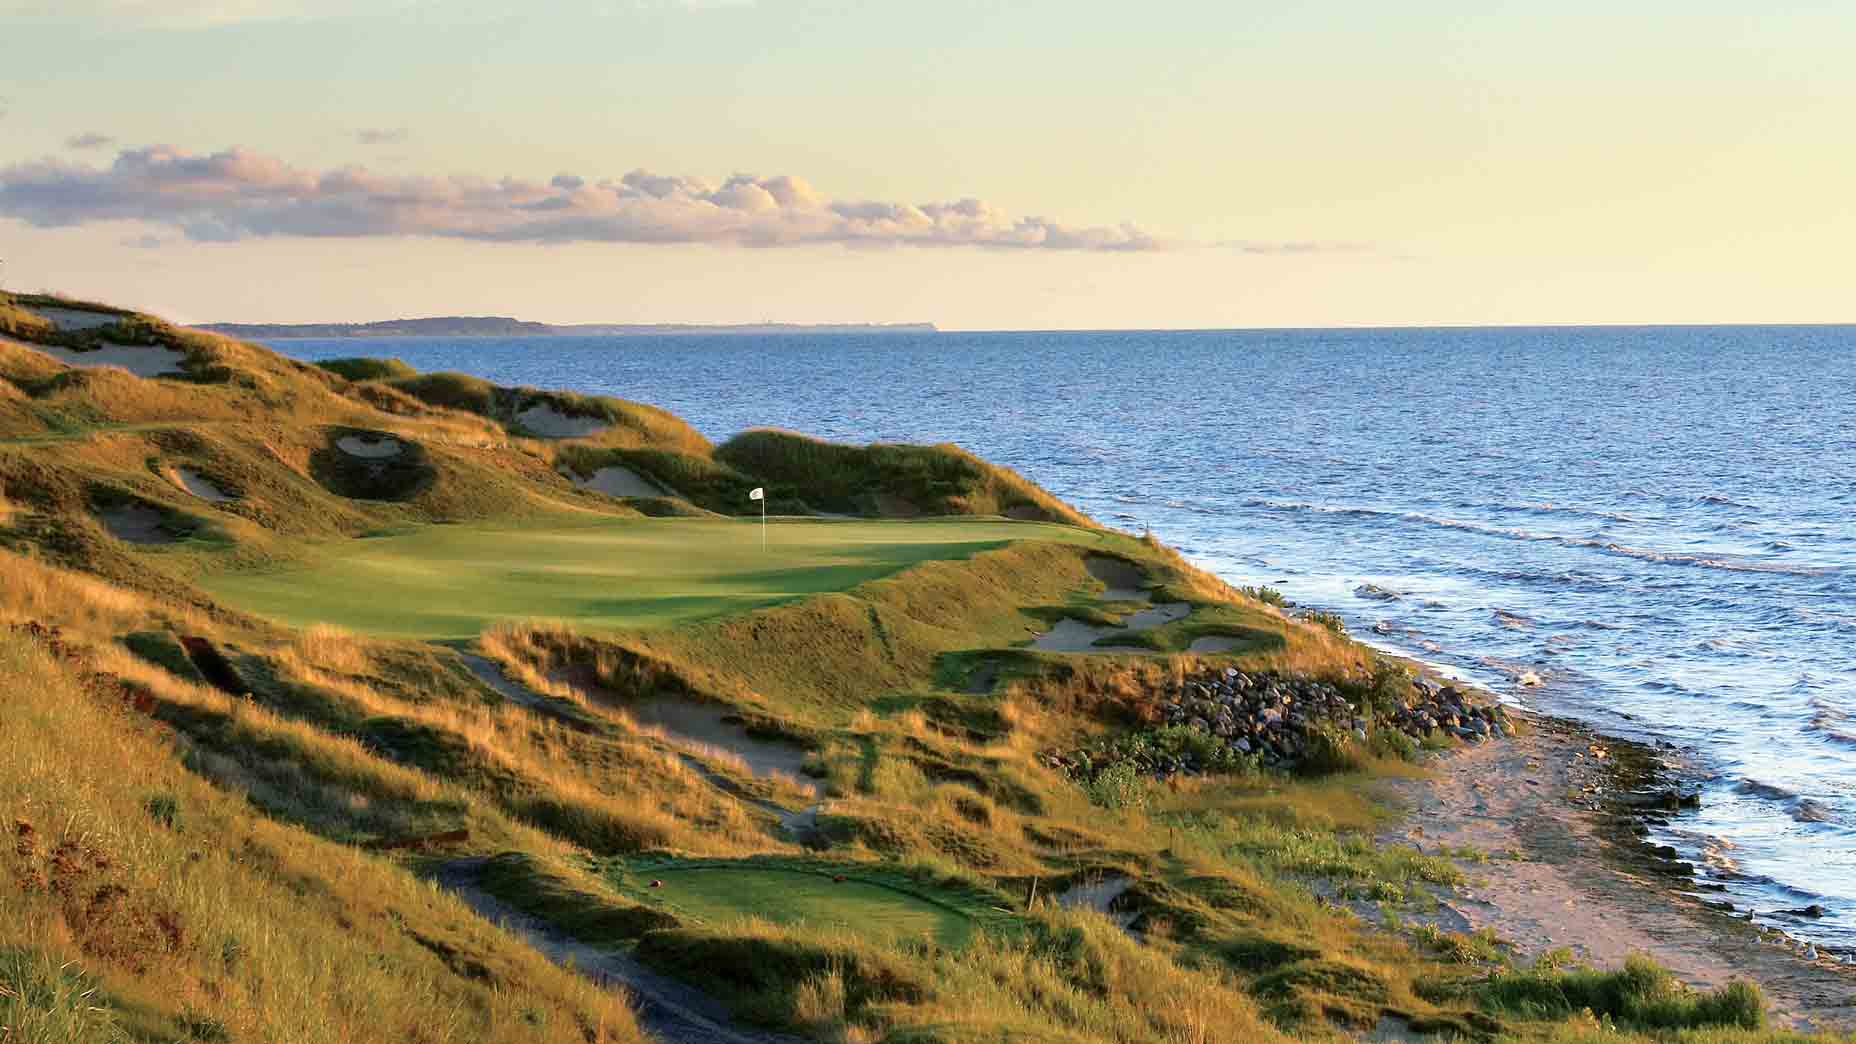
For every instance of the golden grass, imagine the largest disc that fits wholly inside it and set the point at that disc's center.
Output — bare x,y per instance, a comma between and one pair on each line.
165,893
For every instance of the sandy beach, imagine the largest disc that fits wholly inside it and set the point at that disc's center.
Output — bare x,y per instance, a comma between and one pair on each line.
1564,869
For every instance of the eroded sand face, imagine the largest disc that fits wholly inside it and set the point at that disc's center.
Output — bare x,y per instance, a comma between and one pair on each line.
143,362
369,447
201,486
621,482
549,423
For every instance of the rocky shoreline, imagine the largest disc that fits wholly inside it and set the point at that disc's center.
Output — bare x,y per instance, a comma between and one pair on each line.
1281,721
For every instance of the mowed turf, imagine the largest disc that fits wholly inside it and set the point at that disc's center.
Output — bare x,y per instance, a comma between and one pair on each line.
450,581
716,896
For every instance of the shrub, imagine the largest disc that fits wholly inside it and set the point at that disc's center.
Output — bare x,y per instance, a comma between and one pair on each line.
1119,786
1322,617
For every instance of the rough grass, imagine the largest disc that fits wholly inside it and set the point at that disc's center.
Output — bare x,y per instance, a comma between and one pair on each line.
115,922
890,480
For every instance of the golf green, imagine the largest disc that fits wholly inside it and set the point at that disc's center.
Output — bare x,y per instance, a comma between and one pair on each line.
718,895
450,581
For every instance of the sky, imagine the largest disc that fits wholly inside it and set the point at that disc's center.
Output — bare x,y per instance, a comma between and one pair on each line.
1032,164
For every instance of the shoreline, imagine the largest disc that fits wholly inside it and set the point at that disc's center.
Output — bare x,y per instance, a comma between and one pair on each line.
1570,864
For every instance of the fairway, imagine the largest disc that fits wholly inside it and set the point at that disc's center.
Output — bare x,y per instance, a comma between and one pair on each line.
450,581
718,895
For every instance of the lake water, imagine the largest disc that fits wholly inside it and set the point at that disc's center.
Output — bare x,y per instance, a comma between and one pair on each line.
1656,522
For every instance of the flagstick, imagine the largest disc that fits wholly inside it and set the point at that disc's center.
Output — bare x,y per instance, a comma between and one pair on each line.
763,523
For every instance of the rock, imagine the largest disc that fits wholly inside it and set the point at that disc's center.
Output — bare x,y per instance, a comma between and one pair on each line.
1813,912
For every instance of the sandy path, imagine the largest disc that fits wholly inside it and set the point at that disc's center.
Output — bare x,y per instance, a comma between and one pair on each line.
1527,797
668,1009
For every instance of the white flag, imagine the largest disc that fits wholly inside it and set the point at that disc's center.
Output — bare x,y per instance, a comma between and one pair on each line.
757,493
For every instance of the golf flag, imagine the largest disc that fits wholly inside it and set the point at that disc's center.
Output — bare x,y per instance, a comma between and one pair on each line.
757,493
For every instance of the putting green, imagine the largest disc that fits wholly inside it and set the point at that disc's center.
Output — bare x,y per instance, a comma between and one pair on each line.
450,581
718,895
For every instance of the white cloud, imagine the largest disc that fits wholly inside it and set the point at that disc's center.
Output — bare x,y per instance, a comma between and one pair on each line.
239,194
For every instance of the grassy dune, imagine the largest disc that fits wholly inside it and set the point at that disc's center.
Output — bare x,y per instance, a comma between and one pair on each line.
234,758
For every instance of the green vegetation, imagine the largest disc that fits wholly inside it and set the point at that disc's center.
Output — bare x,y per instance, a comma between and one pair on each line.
368,369
454,581
876,903
826,753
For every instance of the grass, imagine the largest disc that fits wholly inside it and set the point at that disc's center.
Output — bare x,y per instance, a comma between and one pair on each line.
217,858
872,903
452,582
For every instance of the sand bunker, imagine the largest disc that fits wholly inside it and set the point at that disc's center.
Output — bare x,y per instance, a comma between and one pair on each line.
200,486
76,318
143,362
136,524
1214,643
707,725
1124,580
1099,895
369,447
1071,635
1155,615
1076,636
549,423
621,482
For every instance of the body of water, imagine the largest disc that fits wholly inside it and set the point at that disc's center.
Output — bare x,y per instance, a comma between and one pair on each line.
1653,522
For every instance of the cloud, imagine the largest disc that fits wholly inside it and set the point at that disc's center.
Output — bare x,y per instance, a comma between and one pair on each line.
90,140
383,136
238,194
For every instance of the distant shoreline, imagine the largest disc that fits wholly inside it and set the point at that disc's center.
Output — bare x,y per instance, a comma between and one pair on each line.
497,326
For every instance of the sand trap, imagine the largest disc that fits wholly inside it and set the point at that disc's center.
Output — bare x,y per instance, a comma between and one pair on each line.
549,423
143,362
490,673
706,725
621,482
201,486
136,524
1077,636
1124,580
1070,635
1155,615
1214,643
369,447
76,318
1099,895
